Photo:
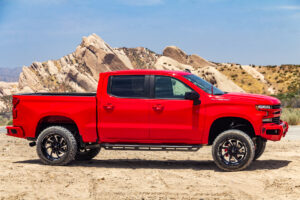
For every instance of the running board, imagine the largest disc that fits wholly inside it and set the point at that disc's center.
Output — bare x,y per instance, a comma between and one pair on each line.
151,147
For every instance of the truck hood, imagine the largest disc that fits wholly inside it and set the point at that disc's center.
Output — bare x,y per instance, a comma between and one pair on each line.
252,98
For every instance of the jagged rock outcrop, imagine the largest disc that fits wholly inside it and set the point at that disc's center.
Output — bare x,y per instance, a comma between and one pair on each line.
208,73
221,81
8,88
79,71
140,57
181,57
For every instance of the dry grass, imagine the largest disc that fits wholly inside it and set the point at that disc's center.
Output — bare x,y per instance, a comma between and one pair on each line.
291,115
282,77
243,79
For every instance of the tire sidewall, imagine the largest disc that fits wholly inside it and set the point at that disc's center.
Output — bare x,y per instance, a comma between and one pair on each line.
82,156
260,146
71,145
233,134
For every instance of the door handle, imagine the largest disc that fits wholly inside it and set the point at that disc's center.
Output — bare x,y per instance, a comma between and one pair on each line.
108,106
158,107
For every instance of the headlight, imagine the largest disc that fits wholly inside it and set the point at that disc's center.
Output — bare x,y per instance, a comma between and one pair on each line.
263,107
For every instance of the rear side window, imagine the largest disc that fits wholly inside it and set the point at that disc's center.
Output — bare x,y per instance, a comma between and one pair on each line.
131,86
170,88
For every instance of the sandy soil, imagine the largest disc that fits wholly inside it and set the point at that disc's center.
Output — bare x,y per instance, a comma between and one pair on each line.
148,175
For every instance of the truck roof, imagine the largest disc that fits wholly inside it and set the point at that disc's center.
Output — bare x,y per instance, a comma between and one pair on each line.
147,72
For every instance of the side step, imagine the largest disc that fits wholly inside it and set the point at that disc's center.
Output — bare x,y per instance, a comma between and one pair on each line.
151,147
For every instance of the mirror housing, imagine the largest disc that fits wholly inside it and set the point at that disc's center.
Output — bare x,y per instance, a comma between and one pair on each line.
193,96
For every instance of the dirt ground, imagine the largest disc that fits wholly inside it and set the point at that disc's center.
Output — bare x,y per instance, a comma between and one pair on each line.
148,175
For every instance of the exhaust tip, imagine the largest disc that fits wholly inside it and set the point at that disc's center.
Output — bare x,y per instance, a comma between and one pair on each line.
32,144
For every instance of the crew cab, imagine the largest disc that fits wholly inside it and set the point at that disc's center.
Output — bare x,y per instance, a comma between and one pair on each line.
148,110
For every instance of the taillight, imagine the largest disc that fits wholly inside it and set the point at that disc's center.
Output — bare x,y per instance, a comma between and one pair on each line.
15,103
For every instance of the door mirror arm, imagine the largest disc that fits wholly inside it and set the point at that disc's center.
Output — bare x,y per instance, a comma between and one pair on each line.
193,96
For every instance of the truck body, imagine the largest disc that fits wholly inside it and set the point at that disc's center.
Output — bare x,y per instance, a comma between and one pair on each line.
148,108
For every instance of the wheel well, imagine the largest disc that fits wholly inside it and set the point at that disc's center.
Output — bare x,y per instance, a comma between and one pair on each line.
57,121
226,123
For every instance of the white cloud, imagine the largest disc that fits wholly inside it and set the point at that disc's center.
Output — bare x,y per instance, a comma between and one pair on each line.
289,7
141,2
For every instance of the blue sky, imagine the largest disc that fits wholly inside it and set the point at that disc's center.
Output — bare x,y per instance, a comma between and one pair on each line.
240,31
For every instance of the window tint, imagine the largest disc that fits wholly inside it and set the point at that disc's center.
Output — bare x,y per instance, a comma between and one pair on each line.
169,88
127,86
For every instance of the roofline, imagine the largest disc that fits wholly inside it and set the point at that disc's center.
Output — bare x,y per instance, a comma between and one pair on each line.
147,72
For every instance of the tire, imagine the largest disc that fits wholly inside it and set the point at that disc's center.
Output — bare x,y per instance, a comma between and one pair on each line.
233,145
56,145
87,154
260,146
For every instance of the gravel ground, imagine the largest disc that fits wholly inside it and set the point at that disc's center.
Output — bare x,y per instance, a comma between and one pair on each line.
149,175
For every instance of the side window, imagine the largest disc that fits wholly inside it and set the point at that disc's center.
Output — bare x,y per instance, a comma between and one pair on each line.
169,88
131,86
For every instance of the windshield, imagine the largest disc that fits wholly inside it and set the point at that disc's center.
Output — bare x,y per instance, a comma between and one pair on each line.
204,85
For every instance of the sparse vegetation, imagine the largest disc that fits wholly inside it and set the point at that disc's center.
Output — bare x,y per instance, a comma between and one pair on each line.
10,122
289,100
291,115
240,77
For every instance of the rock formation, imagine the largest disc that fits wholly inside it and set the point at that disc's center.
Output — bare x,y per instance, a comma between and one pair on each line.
79,71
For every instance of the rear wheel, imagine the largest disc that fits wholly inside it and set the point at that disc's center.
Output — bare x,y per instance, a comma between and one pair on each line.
260,146
87,154
233,150
56,145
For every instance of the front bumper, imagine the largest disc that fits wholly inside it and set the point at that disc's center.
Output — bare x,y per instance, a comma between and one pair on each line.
15,131
274,132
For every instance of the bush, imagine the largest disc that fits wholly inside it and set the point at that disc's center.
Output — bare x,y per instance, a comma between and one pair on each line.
290,100
10,122
3,120
291,116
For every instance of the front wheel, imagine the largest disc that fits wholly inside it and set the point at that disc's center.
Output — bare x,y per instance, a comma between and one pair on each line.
233,150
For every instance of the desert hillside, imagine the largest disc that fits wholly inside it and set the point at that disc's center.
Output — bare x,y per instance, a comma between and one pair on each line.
78,71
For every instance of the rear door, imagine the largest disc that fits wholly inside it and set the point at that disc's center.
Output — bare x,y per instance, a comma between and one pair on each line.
172,117
124,110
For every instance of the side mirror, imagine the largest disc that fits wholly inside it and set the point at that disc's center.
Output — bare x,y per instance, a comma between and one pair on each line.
193,96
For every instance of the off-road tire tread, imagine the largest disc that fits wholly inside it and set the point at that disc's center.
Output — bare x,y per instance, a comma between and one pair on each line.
241,135
71,141
259,151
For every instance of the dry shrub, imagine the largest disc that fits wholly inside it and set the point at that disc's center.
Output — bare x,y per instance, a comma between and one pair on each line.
291,115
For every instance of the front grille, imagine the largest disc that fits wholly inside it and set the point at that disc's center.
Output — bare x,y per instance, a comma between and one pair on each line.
276,120
276,106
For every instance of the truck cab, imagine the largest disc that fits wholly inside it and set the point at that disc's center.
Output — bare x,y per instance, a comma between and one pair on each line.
149,110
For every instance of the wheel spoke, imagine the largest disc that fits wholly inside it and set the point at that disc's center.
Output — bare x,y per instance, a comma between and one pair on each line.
62,141
51,152
235,157
54,146
232,151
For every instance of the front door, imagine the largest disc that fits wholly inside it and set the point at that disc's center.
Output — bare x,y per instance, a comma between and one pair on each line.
172,117
124,112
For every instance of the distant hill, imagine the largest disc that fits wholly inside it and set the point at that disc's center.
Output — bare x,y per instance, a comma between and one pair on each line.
10,74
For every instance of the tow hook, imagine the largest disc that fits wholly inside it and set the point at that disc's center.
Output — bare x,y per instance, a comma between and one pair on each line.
32,144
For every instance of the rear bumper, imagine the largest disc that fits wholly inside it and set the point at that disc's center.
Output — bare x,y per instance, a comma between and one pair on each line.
15,131
274,132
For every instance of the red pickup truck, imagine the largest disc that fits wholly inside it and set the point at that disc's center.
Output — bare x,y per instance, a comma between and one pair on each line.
148,110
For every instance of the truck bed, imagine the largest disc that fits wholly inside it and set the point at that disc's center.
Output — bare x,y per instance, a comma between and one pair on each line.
79,108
